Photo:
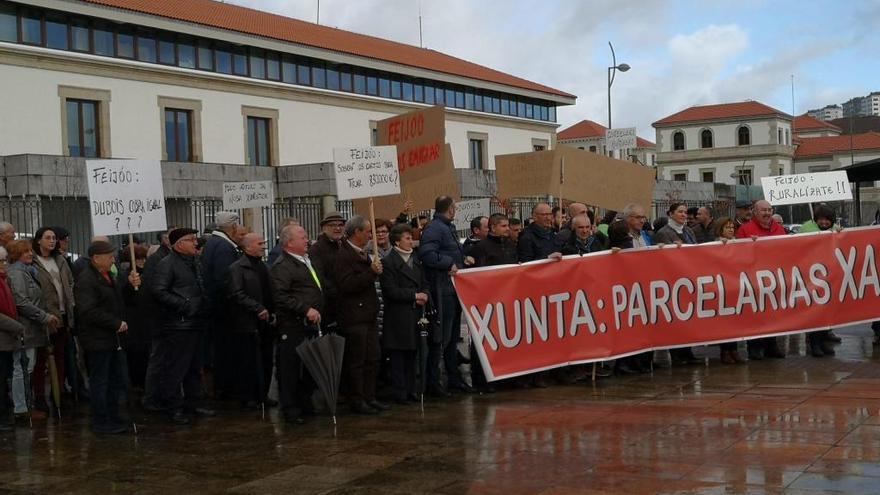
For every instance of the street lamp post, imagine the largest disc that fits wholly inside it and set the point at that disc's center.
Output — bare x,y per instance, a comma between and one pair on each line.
611,73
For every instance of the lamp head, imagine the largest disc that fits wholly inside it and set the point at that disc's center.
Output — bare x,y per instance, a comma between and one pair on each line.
623,67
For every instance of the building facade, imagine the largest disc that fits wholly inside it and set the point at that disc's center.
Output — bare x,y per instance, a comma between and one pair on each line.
733,143
826,113
590,136
203,81
862,106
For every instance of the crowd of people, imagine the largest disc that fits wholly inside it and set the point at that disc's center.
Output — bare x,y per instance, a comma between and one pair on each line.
211,315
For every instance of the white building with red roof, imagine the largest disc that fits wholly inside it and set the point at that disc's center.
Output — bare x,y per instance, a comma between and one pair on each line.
731,143
590,136
206,81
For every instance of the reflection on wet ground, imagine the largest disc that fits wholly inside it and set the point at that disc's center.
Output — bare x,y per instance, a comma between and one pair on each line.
795,426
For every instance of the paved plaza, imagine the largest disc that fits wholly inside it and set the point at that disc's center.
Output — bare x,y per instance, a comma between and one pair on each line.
795,426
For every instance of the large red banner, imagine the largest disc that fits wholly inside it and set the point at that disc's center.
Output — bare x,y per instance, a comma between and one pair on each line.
541,315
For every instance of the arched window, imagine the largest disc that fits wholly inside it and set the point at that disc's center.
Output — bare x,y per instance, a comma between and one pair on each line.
743,136
706,139
678,141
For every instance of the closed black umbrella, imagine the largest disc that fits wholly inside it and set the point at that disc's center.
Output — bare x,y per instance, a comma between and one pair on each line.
322,357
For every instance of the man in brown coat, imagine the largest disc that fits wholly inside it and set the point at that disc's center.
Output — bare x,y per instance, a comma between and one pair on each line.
323,254
357,309
299,301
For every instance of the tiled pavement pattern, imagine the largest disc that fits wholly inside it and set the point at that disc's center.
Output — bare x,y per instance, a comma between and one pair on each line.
794,426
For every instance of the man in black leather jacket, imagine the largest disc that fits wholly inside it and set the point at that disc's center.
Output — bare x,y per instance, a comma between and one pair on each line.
179,291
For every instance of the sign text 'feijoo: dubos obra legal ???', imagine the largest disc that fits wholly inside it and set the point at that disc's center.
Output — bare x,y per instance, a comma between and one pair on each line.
125,196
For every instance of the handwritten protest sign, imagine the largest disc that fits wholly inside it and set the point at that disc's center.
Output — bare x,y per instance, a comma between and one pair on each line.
424,160
465,211
366,172
620,139
125,196
806,188
242,195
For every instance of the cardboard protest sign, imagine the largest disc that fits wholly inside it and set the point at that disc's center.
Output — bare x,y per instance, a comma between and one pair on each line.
366,172
575,175
125,196
806,188
423,158
547,314
242,195
465,211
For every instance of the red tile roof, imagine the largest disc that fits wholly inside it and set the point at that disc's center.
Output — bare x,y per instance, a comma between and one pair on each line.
589,129
828,145
721,111
806,123
244,20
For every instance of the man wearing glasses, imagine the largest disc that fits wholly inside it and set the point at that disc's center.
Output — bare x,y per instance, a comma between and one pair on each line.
179,290
323,256
634,216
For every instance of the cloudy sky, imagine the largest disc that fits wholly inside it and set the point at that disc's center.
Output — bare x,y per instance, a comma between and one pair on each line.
682,53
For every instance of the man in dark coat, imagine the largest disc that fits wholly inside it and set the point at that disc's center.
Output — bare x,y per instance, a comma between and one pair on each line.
149,306
441,256
277,249
405,291
251,309
100,311
358,307
704,228
479,231
323,255
574,210
219,253
179,291
299,300
582,240
538,241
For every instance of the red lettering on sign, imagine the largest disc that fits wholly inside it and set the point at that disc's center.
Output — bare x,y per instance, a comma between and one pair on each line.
405,129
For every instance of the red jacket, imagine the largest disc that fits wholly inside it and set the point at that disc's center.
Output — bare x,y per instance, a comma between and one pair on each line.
753,228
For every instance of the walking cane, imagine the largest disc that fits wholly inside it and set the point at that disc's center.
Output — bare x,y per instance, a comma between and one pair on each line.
134,426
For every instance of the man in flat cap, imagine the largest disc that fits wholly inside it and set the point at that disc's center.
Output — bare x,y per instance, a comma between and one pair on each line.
179,290
323,255
219,253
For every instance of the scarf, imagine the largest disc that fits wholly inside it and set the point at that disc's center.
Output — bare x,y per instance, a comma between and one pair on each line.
406,255
7,302
677,227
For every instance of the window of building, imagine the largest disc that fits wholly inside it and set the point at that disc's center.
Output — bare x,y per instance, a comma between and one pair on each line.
360,83
374,133
540,144
303,73
31,28
167,51
8,24
678,141
787,137
449,97
430,94
332,77
779,136
439,96
475,156
85,118
257,63
680,176
82,128
706,139
345,78
418,92
206,55
186,54
178,135
288,70
580,147
459,99
124,44
223,60
56,31
79,36
408,91
477,152
743,136
103,38
319,75
261,136
744,176
707,175
258,141
396,89
593,149
146,47
384,87
239,61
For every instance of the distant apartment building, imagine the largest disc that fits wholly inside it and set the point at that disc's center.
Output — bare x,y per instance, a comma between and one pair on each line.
826,113
863,106
590,136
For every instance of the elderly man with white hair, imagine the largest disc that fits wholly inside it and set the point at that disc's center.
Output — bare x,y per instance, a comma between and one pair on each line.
220,252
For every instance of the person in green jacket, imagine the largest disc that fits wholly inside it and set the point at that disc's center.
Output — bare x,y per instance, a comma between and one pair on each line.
823,219
820,342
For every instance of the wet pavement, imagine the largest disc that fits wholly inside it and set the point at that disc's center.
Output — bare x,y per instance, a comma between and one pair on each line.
795,426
